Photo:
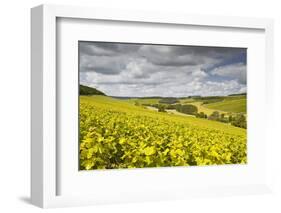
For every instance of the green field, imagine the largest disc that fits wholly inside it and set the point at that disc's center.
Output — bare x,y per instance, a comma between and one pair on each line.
235,105
117,134
228,104
204,108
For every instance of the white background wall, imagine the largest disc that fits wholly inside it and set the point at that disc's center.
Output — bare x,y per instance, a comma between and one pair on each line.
15,98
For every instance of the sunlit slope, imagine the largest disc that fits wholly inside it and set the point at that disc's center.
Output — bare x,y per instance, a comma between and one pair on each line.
143,100
235,105
123,106
204,108
115,134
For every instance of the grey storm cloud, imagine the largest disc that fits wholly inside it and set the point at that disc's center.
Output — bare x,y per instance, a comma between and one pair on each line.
183,55
106,49
237,71
107,65
122,69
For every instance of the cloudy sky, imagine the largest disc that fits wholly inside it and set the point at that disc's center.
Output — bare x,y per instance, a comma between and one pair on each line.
141,70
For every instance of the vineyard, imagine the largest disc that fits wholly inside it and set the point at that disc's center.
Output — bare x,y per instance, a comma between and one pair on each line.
116,134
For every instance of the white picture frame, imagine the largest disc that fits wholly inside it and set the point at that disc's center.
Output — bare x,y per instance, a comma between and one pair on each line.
44,153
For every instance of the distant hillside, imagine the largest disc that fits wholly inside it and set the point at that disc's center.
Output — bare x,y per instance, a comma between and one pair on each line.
236,105
85,90
238,94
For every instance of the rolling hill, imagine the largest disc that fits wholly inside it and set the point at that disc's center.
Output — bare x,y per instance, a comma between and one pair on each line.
236,105
115,134
127,107
85,90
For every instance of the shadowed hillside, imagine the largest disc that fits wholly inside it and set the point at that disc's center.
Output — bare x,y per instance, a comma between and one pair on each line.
85,90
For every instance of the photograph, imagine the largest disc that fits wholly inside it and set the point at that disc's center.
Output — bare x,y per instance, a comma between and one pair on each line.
161,105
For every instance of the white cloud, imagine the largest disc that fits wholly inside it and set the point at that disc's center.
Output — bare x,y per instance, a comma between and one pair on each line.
153,70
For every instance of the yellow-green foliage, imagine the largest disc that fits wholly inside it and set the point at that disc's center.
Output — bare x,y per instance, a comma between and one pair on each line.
115,134
143,100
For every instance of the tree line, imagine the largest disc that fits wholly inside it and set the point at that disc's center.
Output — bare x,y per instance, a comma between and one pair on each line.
238,120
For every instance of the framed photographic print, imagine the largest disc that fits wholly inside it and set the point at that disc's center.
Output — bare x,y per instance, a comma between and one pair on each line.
151,105
130,106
